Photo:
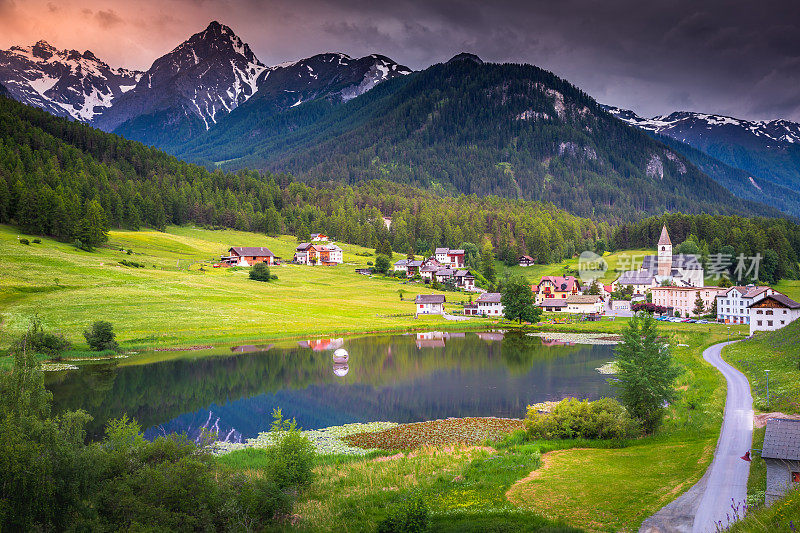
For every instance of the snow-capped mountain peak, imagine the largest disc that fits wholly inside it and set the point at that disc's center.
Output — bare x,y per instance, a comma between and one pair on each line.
686,126
64,82
205,77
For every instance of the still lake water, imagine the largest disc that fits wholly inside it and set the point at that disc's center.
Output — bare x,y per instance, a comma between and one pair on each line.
397,378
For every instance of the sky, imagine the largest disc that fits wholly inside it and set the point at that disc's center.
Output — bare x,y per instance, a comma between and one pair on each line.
732,57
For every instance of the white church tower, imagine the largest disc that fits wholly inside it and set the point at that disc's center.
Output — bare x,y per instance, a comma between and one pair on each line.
664,254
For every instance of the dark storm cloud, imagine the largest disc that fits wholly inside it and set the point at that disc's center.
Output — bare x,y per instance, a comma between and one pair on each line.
725,56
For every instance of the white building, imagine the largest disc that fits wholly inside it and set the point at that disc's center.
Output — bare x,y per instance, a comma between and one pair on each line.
773,312
732,307
585,304
429,304
490,304
449,258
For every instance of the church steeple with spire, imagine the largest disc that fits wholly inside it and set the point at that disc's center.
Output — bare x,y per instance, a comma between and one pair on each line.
664,253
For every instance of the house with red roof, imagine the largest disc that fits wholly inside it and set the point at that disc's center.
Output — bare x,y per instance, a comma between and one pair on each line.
559,287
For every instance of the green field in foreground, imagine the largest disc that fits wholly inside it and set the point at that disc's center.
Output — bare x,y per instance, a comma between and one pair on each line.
173,301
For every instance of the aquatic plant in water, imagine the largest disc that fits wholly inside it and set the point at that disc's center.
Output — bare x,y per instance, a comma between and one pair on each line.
326,441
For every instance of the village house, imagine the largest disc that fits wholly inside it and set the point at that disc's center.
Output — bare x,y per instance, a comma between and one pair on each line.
429,269
319,237
410,267
526,261
553,305
556,287
585,304
773,312
429,304
449,258
248,256
641,281
487,304
781,453
732,306
464,280
684,299
318,254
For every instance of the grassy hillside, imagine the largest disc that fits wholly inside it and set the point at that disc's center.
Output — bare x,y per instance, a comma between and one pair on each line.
776,351
173,301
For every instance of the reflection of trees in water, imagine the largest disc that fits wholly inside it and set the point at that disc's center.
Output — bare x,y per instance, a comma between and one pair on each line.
159,392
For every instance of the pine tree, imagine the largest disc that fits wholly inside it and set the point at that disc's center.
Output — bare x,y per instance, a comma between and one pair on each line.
699,305
93,227
487,264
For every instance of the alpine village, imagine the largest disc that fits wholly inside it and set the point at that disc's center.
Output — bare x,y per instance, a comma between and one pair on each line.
339,293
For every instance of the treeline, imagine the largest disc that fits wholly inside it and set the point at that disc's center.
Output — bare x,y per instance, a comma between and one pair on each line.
55,174
776,240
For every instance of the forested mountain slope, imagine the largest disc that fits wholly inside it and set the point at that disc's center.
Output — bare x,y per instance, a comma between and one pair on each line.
740,183
52,169
468,127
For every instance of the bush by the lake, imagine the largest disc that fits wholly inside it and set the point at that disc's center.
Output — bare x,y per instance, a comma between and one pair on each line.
411,515
38,341
260,272
52,480
572,419
24,241
101,336
37,241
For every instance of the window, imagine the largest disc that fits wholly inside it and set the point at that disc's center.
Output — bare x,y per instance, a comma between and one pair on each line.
758,322
769,322
769,312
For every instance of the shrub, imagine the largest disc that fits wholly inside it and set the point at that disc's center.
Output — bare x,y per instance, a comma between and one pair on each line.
409,516
37,241
129,252
38,341
571,418
24,241
260,272
291,460
132,264
101,336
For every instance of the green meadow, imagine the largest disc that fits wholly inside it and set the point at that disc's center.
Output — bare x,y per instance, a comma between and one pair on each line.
178,298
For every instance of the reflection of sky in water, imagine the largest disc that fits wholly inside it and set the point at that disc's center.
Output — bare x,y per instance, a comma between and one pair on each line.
451,392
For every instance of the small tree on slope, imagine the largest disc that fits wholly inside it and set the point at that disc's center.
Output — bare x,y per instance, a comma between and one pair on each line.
646,377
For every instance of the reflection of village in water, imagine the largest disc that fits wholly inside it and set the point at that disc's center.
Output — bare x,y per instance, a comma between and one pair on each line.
438,339
400,378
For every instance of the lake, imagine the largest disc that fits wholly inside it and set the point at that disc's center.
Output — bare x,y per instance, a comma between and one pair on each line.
397,378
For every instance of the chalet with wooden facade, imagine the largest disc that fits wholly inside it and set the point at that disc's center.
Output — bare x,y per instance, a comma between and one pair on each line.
773,312
526,261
